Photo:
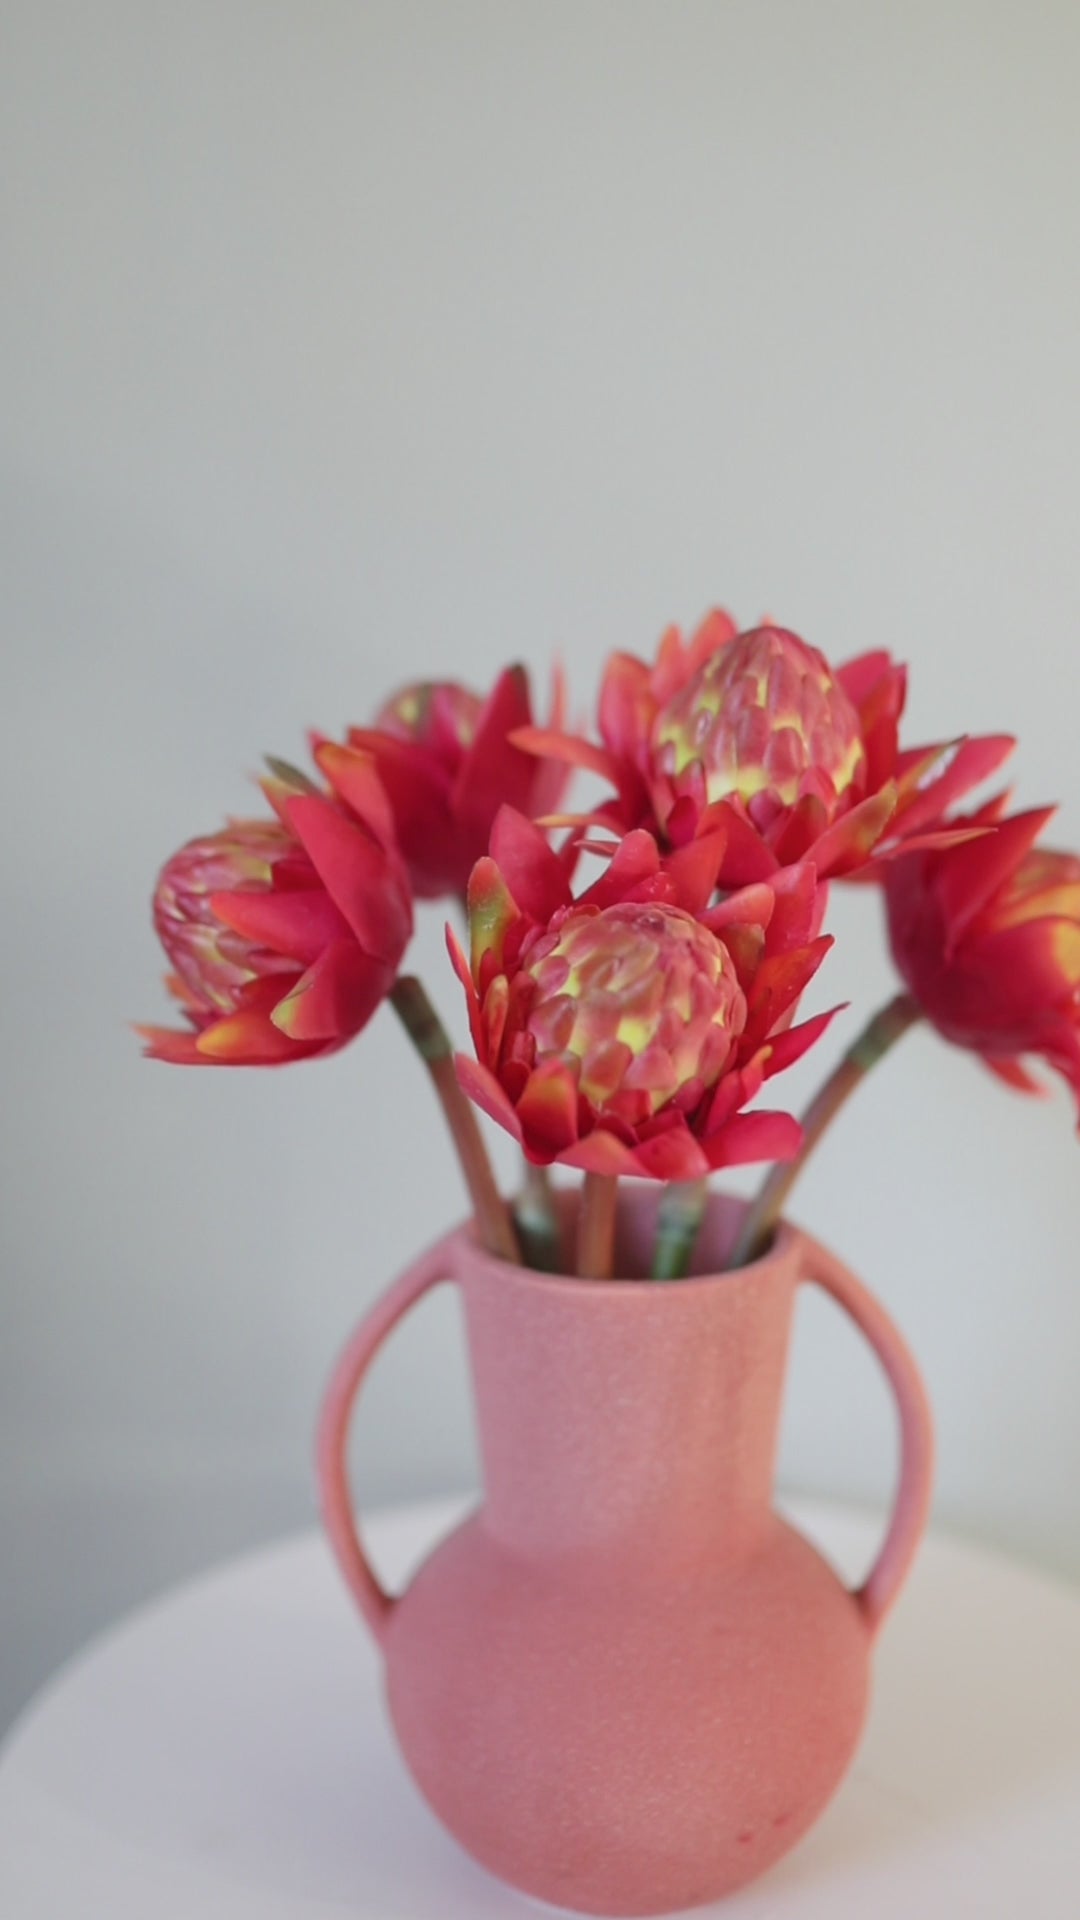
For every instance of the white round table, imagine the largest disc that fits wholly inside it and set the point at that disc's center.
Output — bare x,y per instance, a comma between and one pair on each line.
224,1755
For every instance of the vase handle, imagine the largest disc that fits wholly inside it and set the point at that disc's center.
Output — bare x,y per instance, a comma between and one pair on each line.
335,1495
912,1503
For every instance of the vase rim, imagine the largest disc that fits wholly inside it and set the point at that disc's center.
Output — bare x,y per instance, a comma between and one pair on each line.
774,1259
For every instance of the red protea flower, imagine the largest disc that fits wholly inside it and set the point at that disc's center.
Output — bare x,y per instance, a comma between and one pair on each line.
757,733
624,1031
986,936
445,758
284,934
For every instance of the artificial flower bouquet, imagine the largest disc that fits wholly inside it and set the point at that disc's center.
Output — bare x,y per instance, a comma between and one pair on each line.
625,1021
626,1684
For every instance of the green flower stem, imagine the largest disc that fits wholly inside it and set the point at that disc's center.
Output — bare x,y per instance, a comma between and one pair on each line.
879,1034
537,1222
678,1222
596,1227
432,1043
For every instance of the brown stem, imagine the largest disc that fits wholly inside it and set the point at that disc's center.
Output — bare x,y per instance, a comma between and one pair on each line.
879,1034
596,1227
432,1043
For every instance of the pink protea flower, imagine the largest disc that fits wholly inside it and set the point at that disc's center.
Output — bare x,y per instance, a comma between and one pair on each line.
284,934
986,936
755,732
623,1032
447,762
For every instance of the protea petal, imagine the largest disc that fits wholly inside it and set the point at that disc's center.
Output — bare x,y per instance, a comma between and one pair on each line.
695,870
533,873
849,842
636,863
746,856
798,909
548,1108
601,1152
460,964
336,997
671,1155
547,743
972,762
486,1093
169,1043
353,776
297,924
861,676
354,870
494,770
492,912
751,906
246,1039
978,868
754,1136
627,705
786,1048
1016,1075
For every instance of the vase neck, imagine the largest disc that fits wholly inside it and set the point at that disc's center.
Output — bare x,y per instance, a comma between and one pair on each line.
629,1411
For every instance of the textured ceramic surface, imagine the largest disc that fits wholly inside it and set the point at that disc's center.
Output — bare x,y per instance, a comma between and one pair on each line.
624,1684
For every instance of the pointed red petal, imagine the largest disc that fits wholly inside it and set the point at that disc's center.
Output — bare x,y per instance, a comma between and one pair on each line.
781,979
548,1109
754,1136
168,1043
850,841
673,1154
248,1039
336,997
492,912
600,1152
973,761
746,856
495,770
751,906
549,745
694,869
354,778
798,828
1015,1075
965,881
460,965
800,902
298,924
357,874
788,1047
532,871
484,1090
627,704
859,677
636,860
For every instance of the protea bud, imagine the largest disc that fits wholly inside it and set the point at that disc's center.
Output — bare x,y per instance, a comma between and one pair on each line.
285,934
986,936
438,716
757,733
214,962
624,1032
767,720
645,998
447,762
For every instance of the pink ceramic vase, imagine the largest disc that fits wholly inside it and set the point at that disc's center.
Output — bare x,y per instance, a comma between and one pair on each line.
624,1684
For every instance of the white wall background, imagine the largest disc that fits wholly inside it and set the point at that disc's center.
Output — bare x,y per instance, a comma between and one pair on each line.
346,343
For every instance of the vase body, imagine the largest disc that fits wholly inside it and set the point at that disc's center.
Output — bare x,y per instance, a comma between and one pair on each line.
624,1684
